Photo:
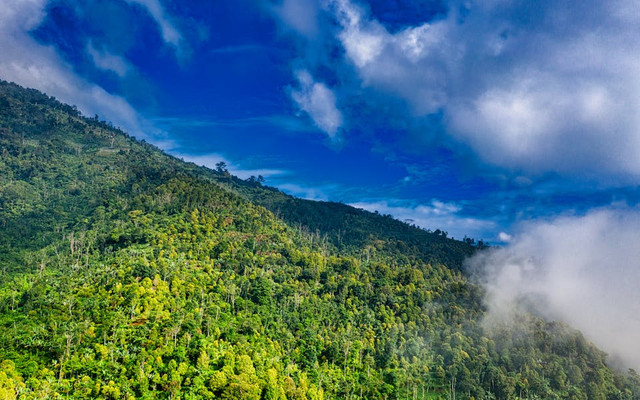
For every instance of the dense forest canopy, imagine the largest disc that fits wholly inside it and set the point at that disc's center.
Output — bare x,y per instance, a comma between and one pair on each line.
127,273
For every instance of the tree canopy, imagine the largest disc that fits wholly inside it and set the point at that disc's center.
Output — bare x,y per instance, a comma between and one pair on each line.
129,274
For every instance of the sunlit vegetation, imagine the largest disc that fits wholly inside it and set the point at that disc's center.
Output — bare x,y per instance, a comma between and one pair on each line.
129,274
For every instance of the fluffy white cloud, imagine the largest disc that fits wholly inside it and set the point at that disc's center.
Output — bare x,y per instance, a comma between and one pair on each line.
31,64
550,87
504,237
434,215
580,270
317,100
395,63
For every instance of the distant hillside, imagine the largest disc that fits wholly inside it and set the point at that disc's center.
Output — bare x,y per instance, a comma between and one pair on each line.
129,274
349,228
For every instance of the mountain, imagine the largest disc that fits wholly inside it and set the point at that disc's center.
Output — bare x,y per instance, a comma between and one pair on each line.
128,273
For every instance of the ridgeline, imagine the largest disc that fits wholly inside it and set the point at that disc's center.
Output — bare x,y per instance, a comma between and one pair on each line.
130,274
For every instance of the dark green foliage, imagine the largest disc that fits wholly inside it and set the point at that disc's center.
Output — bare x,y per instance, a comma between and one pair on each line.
352,230
127,273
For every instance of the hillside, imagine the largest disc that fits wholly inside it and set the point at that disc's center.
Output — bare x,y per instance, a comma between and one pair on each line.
127,273
351,229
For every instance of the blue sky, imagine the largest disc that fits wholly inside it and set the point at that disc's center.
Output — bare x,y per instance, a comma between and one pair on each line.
468,116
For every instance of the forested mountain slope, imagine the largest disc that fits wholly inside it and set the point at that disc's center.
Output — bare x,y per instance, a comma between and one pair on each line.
352,229
126,273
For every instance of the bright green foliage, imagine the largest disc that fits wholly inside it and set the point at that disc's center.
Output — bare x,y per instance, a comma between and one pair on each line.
128,274
10,381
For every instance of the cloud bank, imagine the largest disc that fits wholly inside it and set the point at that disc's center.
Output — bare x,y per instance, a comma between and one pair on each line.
544,87
583,270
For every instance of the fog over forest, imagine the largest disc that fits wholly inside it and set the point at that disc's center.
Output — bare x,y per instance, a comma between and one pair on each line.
579,270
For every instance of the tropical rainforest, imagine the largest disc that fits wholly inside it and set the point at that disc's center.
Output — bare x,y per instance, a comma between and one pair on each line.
127,273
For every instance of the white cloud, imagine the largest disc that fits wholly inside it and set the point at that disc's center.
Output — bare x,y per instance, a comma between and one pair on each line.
170,33
317,100
550,88
580,270
396,63
210,160
434,215
321,193
33,65
107,61
301,15
504,237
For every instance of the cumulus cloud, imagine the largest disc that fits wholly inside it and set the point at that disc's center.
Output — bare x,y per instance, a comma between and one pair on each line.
319,102
433,215
550,87
581,270
395,63
31,64
107,61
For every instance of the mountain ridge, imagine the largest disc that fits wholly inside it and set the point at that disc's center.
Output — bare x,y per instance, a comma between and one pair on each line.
128,273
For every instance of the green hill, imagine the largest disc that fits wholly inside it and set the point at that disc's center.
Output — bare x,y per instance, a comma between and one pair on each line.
129,274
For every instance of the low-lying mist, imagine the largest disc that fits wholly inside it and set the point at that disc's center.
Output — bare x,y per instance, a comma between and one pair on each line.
584,271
